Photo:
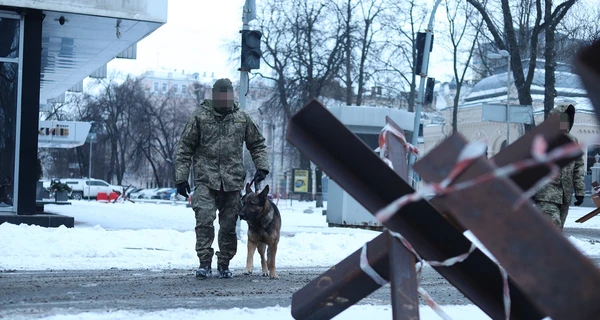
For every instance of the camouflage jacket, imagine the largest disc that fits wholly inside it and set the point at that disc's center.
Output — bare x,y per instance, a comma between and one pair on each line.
215,143
571,176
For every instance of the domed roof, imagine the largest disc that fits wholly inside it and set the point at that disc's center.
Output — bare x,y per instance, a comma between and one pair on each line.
567,84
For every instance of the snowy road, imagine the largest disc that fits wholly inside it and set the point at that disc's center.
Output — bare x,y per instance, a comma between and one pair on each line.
134,261
40,292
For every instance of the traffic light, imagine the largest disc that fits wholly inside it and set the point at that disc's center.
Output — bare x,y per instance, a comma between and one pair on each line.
429,91
420,45
250,50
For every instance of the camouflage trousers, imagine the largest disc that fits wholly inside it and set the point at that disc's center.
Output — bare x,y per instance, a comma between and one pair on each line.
205,203
556,212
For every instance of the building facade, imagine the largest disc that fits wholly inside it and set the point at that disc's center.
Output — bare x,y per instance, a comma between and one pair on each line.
492,91
46,48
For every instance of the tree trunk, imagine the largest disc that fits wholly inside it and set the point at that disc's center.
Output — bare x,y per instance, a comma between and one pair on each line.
412,96
348,57
455,110
550,61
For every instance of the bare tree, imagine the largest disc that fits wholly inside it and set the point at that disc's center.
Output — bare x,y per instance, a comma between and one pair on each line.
397,54
371,12
358,44
168,113
506,37
551,21
304,53
461,21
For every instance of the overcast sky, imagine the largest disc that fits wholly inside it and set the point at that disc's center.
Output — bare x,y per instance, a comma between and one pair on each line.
193,39
196,33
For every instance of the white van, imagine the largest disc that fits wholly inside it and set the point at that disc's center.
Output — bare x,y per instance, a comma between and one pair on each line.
81,189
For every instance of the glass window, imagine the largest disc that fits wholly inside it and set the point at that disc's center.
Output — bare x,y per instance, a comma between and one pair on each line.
164,87
175,88
9,43
156,86
9,83
183,89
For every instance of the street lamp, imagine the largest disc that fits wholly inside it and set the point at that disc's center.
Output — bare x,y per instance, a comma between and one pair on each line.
504,54
420,95
92,135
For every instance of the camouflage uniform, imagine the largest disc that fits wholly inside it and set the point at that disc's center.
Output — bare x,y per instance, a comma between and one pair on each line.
555,198
215,141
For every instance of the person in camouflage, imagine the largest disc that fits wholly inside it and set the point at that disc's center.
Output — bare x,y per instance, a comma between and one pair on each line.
554,198
213,137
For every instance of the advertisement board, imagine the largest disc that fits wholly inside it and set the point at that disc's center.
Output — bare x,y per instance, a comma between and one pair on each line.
301,181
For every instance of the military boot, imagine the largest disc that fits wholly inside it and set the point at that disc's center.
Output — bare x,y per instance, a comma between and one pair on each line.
204,271
224,272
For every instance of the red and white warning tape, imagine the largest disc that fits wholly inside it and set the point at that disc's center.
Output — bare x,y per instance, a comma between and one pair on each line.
368,270
467,156
471,152
383,138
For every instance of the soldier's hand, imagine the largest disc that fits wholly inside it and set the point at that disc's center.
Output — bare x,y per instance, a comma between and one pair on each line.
579,200
183,189
260,175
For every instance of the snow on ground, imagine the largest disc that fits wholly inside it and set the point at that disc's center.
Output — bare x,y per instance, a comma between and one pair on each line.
161,236
357,312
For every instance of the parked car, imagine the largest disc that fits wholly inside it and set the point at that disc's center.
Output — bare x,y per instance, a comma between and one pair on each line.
173,195
161,193
143,193
130,190
82,187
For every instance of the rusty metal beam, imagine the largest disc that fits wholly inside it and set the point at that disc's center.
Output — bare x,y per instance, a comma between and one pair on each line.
352,164
345,284
397,152
546,266
403,281
333,291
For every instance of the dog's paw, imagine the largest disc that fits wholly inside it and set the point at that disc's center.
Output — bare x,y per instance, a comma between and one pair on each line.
274,277
247,272
265,274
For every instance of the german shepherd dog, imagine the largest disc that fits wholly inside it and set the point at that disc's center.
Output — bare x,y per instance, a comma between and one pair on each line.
264,228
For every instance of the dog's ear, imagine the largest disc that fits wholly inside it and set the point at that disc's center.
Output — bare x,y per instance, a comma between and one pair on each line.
248,189
265,192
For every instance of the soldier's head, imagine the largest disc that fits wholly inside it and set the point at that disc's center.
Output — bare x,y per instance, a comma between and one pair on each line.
567,118
222,96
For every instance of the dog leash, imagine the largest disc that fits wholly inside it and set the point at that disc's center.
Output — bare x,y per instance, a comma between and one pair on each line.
256,187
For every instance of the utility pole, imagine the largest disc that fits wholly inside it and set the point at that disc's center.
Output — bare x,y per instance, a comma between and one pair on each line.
420,97
248,14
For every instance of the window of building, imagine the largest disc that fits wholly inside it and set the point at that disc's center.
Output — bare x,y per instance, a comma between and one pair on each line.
592,151
164,87
175,88
183,89
156,86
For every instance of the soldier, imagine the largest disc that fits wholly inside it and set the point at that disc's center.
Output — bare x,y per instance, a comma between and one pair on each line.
554,199
213,136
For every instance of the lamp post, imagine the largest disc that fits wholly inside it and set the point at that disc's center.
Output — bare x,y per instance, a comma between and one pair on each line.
92,135
499,55
420,95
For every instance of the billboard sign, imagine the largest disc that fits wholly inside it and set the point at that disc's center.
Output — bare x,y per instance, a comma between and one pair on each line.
62,134
301,181
497,113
